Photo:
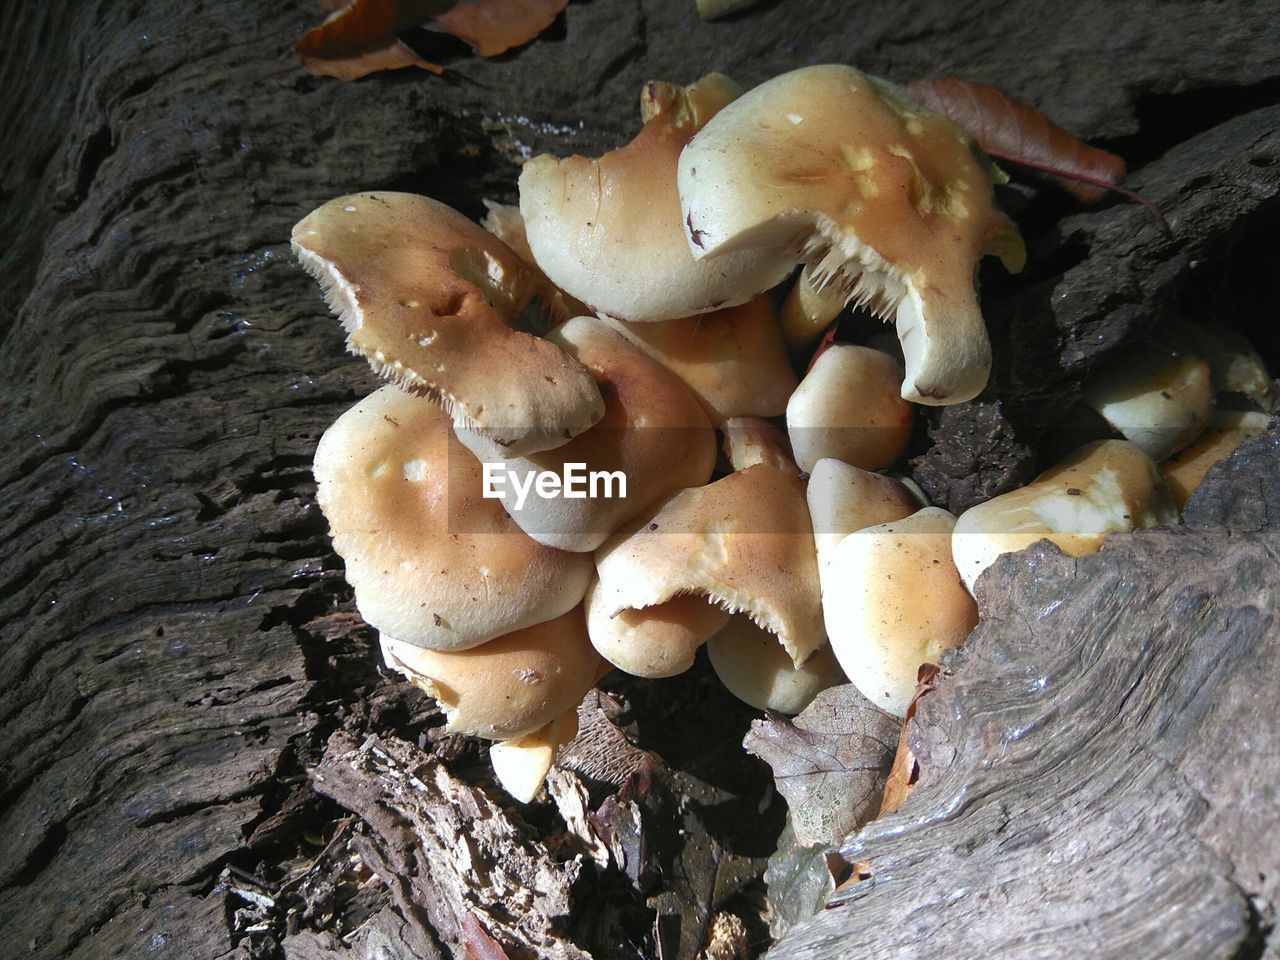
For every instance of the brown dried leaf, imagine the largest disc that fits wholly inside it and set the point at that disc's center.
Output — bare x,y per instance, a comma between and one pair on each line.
476,942
1011,130
905,771
360,37
829,763
492,27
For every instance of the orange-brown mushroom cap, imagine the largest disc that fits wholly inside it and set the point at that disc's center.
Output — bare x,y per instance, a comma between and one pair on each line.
429,297
889,201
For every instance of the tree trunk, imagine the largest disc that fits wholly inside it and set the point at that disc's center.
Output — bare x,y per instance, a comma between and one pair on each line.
200,755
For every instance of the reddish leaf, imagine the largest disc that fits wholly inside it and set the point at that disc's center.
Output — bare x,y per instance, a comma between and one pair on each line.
360,37
1008,129
905,770
476,942
492,27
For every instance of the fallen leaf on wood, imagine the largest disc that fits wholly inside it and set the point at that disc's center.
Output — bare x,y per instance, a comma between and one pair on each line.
830,762
799,881
905,770
492,27
476,942
362,37
1011,130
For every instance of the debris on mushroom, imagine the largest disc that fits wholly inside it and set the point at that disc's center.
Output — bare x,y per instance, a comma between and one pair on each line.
744,542
888,201
755,668
428,297
810,307
522,763
1227,430
1106,487
734,361
849,407
1157,398
653,440
610,232
430,559
510,686
895,601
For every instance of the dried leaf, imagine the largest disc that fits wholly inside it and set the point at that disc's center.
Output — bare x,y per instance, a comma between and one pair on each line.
799,881
905,771
1008,129
492,27
476,942
829,763
361,37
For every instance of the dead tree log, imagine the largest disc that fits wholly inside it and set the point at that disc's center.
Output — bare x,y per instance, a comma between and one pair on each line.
178,645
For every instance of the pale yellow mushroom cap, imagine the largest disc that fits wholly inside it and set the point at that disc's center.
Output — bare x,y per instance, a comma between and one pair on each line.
510,686
657,641
744,543
754,668
609,231
1105,487
844,499
505,222
430,559
522,763
428,297
810,307
653,433
888,201
733,360
849,407
895,602
1227,430
1157,398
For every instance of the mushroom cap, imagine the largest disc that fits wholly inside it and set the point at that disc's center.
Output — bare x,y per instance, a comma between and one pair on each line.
511,685
609,231
522,763
1105,487
888,201
429,297
896,602
503,220
1234,365
734,361
754,668
848,407
657,641
1157,398
1227,430
810,307
843,499
653,431
743,542
431,560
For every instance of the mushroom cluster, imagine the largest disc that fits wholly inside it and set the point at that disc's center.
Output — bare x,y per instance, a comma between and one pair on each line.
796,557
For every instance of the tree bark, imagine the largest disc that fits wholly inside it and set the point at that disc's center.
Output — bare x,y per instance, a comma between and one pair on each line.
181,659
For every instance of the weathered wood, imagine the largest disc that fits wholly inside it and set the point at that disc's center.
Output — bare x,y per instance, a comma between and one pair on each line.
178,644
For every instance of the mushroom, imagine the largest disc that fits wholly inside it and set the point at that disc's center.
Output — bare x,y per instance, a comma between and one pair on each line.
659,641
1105,487
848,407
653,440
522,763
754,668
1234,366
610,232
888,202
895,601
503,220
844,499
810,307
1157,398
431,561
1227,430
509,687
744,543
428,297
734,361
